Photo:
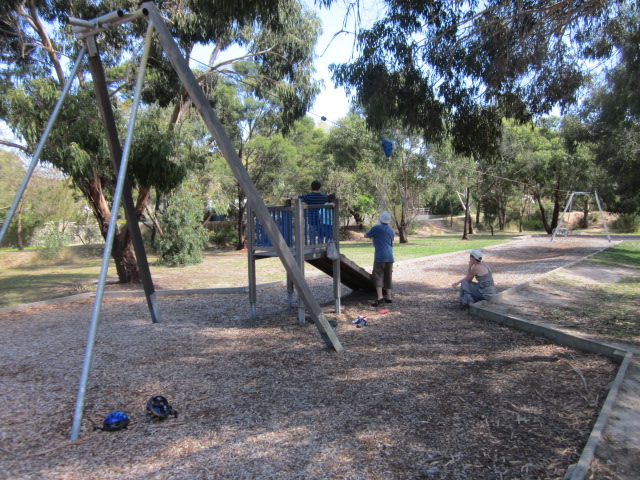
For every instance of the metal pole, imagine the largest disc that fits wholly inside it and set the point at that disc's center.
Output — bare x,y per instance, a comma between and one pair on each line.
77,418
43,140
555,230
604,221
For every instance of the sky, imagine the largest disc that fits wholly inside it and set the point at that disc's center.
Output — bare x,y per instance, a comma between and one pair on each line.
331,102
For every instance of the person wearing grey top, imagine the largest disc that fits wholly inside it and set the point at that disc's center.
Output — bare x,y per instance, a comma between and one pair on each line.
483,288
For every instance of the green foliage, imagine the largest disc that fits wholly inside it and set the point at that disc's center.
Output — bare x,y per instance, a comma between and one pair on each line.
532,224
223,233
52,241
444,68
628,223
625,253
153,153
184,236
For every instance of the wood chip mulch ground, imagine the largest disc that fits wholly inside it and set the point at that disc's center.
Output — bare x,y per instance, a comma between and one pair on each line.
425,391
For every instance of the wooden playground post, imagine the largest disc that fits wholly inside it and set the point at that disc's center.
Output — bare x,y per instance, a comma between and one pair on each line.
298,228
251,231
335,222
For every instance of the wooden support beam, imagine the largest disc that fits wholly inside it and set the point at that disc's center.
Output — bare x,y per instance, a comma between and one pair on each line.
337,281
242,176
300,237
108,120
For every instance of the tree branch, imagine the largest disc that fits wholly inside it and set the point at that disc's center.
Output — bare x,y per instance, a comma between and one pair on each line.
13,145
35,22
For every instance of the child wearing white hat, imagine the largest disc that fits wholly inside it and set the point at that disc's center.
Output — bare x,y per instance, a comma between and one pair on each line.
382,235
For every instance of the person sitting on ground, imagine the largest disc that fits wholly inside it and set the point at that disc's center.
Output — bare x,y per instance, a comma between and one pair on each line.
483,289
382,235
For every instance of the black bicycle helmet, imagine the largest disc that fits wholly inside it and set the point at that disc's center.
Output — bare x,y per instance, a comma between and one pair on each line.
158,408
116,420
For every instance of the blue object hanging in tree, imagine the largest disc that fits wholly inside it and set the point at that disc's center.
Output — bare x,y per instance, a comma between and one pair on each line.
387,146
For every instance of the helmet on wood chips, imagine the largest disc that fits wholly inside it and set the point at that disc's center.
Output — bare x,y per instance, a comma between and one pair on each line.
158,408
116,420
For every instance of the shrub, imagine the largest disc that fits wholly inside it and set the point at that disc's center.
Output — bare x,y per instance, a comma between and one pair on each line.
51,242
533,223
627,223
184,236
223,233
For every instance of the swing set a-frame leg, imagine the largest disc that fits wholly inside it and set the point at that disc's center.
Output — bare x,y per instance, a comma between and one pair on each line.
241,175
43,139
109,123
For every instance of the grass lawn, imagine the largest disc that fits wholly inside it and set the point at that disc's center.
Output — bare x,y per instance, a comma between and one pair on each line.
421,246
25,278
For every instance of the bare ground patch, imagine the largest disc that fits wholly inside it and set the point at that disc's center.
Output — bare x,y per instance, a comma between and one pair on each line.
580,298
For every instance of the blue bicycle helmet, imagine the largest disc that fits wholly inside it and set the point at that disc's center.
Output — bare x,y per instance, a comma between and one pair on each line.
158,408
116,420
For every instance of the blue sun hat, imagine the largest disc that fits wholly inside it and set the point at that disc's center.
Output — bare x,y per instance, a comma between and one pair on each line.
385,217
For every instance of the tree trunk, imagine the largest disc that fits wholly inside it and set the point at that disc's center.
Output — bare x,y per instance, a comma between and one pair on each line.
584,221
155,232
403,228
121,252
466,215
543,214
358,218
556,210
522,211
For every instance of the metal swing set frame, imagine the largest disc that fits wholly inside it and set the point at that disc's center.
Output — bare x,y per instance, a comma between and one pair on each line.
86,31
563,231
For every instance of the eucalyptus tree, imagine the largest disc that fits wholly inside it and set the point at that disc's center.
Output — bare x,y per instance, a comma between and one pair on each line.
409,174
453,174
538,159
48,198
257,123
381,180
588,176
612,114
356,152
279,37
455,69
